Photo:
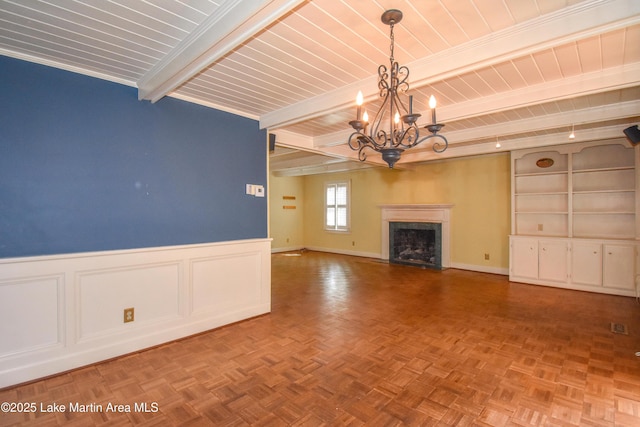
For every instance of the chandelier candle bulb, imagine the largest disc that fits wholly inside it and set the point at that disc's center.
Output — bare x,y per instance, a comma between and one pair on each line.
359,101
432,105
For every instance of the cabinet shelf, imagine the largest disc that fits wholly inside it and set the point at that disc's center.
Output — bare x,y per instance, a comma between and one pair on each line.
608,169
543,193
541,213
604,213
541,173
621,190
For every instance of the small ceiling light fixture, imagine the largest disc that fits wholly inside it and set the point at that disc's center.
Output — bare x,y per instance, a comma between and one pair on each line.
498,145
403,132
572,135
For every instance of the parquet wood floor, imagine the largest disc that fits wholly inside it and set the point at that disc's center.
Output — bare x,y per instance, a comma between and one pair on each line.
354,341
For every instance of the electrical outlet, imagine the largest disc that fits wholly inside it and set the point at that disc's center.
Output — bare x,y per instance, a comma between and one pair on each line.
128,315
486,257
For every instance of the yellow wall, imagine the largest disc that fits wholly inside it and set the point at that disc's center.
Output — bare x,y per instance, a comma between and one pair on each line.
478,187
286,225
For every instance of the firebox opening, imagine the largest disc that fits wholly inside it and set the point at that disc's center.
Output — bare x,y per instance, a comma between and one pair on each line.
418,244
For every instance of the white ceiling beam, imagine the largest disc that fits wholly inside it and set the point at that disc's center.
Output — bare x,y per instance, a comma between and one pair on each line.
585,18
625,110
577,22
609,79
417,155
233,23
595,134
461,141
571,87
344,166
596,114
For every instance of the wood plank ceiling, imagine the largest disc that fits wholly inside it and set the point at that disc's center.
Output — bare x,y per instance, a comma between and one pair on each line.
520,72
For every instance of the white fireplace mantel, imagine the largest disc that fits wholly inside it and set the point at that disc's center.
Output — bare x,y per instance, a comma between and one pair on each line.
418,213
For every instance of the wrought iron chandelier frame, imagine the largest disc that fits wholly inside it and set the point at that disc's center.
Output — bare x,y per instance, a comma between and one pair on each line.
403,132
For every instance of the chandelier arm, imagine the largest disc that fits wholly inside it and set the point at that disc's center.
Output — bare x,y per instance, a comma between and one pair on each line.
407,135
358,144
362,155
379,140
438,146
358,141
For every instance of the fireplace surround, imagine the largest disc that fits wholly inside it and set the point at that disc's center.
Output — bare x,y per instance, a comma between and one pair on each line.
438,216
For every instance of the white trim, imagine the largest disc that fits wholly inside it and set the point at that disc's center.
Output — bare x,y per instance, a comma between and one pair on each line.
344,252
481,269
232,24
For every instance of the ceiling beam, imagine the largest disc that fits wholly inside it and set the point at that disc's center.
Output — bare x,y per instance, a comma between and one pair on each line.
585,18
595,134
466,142
233,23
610,79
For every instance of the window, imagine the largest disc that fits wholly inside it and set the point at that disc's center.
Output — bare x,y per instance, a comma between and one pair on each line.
336,213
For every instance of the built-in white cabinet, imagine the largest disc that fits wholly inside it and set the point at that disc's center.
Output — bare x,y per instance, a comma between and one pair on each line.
618,271
586,263
552,260
524,258
539,259
605,266
574,221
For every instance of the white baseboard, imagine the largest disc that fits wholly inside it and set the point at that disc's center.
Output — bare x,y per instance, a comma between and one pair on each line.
460,266
481,268
286,249
64,311
344,252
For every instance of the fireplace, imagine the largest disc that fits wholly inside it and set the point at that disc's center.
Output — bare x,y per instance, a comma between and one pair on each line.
430,219
416,243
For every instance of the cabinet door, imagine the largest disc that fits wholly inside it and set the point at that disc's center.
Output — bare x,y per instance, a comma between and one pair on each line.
586,263
552,260
524,258
619,269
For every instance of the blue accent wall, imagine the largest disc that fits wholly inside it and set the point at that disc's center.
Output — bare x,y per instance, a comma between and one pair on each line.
85,166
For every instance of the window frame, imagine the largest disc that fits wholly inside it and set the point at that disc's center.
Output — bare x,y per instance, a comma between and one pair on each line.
337,228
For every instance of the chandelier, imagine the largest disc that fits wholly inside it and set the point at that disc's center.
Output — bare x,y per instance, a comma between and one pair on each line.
394,127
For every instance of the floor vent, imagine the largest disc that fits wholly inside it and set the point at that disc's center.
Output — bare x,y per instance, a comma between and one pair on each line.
619,328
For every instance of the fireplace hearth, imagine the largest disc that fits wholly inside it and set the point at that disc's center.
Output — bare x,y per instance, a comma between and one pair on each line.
416,243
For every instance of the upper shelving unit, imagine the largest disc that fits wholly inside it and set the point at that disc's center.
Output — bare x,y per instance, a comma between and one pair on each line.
578,190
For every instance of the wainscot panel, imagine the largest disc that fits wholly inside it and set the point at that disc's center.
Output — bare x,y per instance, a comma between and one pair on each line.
31,317
61,312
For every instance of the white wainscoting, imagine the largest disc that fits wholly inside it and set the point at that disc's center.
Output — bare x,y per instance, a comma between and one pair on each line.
64,311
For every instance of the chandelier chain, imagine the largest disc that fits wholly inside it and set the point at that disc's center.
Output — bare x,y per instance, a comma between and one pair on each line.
392,43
